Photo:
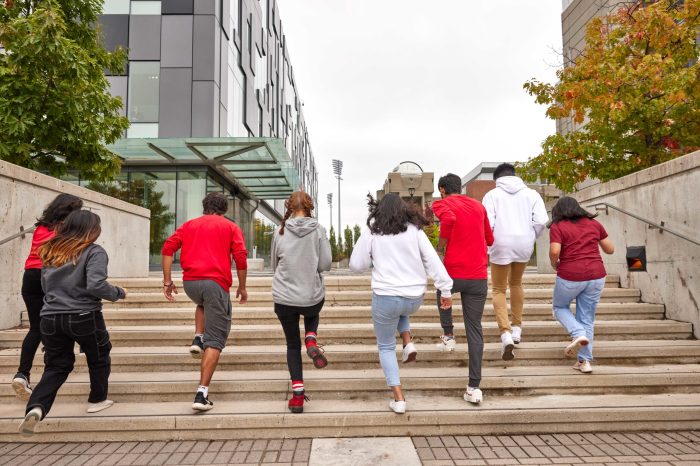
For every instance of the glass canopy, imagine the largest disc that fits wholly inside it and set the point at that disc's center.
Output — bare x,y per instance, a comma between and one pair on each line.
260,167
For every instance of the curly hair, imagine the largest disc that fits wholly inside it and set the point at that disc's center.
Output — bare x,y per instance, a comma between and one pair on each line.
391,215
299,200
58,210
215,203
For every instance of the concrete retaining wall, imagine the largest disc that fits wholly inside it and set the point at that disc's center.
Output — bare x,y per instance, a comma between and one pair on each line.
24,194
664,193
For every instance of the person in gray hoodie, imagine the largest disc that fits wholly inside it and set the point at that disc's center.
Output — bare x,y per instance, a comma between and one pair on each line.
300,252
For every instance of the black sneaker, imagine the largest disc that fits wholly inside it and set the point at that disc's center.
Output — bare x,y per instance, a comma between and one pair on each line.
20,384
197,347
201,403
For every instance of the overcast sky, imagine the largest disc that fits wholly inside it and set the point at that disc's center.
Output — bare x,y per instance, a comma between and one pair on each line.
438,83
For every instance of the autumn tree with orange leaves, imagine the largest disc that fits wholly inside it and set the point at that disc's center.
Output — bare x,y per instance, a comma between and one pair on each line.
633,94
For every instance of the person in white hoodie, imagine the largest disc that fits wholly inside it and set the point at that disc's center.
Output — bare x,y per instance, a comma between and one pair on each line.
517,216
402,258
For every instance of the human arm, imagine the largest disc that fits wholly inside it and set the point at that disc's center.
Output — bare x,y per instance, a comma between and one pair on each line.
605,244
490,207
273,252
96,277
554,252
241,292
539,215
170,247
435,269
488,231
324,251
240,258
361,258
447,220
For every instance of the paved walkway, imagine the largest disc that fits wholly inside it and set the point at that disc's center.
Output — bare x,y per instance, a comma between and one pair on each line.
667,448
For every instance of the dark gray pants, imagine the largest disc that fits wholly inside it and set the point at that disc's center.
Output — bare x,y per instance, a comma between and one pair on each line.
473,294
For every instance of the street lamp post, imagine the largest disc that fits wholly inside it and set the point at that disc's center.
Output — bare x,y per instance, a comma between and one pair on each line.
329,196
338,172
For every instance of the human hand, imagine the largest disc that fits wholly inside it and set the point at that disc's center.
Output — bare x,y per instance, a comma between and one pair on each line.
126,292
168,291
445,302
243,294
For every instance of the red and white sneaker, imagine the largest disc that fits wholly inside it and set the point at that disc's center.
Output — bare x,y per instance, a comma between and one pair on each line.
296,402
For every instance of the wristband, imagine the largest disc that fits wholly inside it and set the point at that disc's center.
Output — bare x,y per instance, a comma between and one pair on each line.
168,284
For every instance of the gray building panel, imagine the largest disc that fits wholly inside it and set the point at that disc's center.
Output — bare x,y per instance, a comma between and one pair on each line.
205,7
175,102
144,37
223,75
117,87
204,105
176,41
204,53
115,31
177,7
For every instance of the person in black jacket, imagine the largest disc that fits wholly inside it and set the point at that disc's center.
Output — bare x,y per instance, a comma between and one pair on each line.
74,279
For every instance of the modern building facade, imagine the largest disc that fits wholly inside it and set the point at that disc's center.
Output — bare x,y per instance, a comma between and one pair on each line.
409,181
212,102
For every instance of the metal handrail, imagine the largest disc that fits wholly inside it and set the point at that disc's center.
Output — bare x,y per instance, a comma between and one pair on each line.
22,232
651,224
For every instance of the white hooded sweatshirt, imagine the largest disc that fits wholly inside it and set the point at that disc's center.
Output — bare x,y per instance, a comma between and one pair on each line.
517,216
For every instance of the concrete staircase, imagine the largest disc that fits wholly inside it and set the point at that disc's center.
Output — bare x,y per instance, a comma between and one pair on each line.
647,373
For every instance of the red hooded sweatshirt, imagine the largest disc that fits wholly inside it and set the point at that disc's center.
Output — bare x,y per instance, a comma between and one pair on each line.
465,225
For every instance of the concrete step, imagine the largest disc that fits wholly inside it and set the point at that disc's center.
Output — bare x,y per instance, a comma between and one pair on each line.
357,356
352,298
422,332
348,314
367,384
427,415
332,282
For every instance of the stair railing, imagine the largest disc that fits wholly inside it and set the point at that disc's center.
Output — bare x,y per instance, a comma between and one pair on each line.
660,226
22,232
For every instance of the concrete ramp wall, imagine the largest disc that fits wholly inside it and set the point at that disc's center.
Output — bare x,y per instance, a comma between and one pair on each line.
24,194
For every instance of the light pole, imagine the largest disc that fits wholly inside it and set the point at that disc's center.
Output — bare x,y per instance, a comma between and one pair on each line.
338,172
329,196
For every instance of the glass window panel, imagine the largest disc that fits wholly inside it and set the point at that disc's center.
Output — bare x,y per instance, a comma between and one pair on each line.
236,96
142,130
191,189
156,191
144,86
116,7
264,230
145,8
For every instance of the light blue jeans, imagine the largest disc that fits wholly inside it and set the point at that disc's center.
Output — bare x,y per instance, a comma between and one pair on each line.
390,313
587,294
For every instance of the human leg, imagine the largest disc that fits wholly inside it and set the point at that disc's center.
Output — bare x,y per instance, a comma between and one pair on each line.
409,307
194,292
33,297
289,318
385,316
91,334
517,297
473,293
586,305
564,292
447,340
499,282
311,322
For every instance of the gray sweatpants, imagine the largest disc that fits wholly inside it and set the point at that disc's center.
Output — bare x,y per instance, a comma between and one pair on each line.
473,293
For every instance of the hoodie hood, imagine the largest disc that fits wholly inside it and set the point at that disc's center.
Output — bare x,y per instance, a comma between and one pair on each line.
510,184
301,226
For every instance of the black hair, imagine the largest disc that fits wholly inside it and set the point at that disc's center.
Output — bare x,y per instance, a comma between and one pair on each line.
391,215
504,169
58,210
215,203
451,183
568,208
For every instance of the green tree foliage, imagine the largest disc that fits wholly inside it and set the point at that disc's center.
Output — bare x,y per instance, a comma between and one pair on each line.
356,233
335,252
263,234
142,193
634,92
349,243
56,112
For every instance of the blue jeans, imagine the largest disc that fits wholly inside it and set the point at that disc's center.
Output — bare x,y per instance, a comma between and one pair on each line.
587,294
390,313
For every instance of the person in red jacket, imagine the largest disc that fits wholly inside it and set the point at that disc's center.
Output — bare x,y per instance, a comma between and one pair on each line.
208,243
32,292
465,234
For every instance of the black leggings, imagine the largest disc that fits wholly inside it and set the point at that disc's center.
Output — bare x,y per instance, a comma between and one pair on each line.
289,318
33,296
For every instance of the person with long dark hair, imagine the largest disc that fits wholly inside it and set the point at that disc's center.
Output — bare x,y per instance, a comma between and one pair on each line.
300,252
74,279
402,258
32,293
575,240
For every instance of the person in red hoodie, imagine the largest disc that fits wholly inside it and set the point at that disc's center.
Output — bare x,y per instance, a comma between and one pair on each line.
465,234
32,292
208,243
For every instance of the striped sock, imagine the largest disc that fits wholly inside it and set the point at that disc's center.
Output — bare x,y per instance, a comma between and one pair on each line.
310,339
298,386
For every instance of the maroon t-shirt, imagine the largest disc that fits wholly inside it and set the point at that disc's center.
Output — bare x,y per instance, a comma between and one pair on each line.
579,259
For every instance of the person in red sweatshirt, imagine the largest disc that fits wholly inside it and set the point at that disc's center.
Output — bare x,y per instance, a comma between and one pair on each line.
208,243
465,234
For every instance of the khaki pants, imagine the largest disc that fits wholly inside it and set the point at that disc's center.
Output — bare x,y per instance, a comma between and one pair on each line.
511,276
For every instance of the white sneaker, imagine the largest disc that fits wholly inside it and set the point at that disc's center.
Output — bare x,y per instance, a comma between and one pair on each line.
399,407
571,351
517,333
583,366
447,344
26,429
97,407
21,387
409,353
507,347
473,395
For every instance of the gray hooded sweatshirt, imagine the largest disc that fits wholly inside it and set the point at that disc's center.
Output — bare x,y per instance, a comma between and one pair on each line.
298,258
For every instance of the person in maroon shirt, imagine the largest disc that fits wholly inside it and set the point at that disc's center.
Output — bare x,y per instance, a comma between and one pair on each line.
575,238
208,243
32,293
465,233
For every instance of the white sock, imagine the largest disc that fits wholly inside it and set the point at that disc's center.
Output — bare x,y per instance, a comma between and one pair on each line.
200,335
204,390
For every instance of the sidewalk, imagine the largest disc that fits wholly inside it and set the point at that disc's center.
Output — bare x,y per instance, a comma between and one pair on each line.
667,448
